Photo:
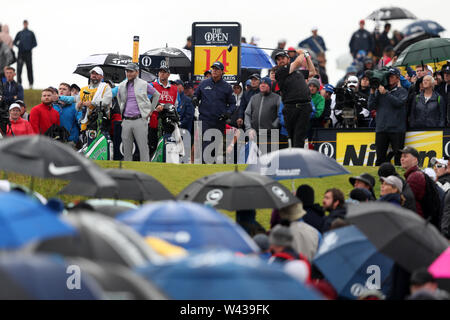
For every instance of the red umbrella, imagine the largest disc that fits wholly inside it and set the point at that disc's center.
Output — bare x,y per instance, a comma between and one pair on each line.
440,269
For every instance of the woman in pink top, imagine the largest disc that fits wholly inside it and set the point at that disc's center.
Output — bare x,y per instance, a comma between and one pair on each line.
18,126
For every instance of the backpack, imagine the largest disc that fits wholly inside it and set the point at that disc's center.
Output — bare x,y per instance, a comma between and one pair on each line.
431,202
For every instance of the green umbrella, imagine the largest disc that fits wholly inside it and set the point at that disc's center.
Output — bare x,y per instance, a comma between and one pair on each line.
426,51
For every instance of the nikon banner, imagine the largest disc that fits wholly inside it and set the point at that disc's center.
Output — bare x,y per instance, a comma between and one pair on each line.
357,147
216,41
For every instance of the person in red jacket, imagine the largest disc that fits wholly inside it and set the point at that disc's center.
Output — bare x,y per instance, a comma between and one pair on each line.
19,126
43,116
414,176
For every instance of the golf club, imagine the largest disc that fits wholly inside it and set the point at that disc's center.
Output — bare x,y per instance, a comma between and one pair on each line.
230,47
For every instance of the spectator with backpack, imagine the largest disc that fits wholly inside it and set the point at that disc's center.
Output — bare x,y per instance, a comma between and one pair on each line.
425,190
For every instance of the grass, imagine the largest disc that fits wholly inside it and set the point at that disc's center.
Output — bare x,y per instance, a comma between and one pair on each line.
32,98
176,177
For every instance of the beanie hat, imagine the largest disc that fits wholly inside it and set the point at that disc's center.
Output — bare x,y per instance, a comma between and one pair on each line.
281,236
314,82
262,240
360,194
306,195
386,169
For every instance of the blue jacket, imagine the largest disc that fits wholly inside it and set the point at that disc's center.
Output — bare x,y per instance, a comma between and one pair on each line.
186,111
283,130
12,91
361,40
216,99
69,116
25,40
246,96
309,43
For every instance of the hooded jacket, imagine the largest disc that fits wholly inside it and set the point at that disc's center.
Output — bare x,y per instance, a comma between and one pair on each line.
427,114
262,111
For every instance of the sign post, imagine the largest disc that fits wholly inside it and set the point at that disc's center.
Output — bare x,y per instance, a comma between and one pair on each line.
135,49
211,41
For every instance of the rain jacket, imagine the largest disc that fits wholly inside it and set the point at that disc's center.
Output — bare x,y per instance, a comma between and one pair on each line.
20,127
186,111
416,180
262,112
361,40
25,40
42,117
69,116
427,114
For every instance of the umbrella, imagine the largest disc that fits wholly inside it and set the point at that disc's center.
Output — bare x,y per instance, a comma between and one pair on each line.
99,238
296,163
43,277
391,13
440,269
238,190
221,275
131,185
23,220
165,248
179,60
361,266
255,58
111,207
40,156
428,26
398,233
112,64
425,51
119,282
189,225
409,40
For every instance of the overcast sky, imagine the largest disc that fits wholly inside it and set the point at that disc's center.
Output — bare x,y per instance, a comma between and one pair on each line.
67,32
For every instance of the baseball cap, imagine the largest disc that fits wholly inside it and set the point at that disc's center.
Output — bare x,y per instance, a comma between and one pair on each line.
266,80
218,65
291,49
188,85
393,181
281,54
163,68
329,88
14,105
411,151
255,76
97,70
446,68
179,82
207,72
394,71
362,21
248,82
314,28
132,67
352,81
20,102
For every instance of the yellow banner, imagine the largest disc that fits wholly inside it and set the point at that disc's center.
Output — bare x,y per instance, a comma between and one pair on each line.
205,56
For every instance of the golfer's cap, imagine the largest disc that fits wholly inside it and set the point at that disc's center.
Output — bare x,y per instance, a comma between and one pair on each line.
393,181
218,65
14,105
166,69
411,151
255,76
314,28
97,70
132,67
281,54
20,102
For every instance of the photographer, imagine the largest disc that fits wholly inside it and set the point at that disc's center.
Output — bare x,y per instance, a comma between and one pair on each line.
390,106
351,105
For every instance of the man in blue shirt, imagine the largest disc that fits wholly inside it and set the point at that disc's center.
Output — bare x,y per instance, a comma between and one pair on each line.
25,40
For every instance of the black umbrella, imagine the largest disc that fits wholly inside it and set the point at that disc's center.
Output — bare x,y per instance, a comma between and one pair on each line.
178,60
40,156
413,38
112,64
391,13
398,233
131,185
118,282
101,239
238,190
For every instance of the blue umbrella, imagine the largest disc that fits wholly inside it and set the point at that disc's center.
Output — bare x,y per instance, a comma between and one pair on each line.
253,57
351,263
221,275
189,225
23,219
296,163
427,26
41,277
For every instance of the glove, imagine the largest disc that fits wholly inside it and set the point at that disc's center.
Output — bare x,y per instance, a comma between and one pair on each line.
365,112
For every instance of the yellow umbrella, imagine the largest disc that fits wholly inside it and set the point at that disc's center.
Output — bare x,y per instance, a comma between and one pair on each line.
165,248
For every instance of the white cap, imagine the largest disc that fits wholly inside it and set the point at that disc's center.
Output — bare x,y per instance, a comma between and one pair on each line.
430,172
441,161
314,28
14,105
97,70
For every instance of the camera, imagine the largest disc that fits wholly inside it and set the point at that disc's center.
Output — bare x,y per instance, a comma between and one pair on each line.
195,101
378,77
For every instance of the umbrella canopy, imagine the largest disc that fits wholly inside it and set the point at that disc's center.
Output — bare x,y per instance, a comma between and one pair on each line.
411,39
427,26
111,207
296,163
131,185
112,64
43,157
238,190
425,51
255,58
101,239
178,60
391,13
361,266
42,277
440,269
189,225
118,282
221,275
23,220
400,234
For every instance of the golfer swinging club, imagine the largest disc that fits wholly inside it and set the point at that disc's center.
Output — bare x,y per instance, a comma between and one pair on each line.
295,94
